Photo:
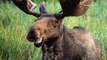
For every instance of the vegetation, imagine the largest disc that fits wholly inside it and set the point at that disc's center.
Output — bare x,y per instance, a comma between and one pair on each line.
14,25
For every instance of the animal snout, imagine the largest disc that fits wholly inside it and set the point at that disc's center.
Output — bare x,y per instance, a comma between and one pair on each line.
31,36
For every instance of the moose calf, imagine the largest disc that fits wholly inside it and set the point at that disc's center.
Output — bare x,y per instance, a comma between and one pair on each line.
57,41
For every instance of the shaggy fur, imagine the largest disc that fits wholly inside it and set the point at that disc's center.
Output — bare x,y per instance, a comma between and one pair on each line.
61,43
75,44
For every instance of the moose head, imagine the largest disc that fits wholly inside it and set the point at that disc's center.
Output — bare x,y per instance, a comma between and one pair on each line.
48,25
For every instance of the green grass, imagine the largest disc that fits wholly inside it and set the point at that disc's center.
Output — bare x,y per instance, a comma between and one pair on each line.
14,25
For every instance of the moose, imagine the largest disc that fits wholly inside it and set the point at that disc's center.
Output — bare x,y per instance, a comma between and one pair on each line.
58,42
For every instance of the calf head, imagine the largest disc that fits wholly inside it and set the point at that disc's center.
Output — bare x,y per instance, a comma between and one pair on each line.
48,25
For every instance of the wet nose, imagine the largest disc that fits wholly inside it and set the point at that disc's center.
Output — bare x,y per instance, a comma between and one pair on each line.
31,36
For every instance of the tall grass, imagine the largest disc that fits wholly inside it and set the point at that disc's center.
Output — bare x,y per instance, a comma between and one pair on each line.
14,25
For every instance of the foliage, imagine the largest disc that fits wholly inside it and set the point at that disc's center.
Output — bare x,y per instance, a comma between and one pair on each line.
45,0
14,25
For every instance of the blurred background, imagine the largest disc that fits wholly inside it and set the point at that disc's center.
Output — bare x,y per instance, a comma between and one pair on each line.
14,25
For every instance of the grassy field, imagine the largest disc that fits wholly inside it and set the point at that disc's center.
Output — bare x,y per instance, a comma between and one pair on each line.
14,25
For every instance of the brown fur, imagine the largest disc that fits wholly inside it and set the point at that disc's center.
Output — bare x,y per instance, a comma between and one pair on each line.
61,43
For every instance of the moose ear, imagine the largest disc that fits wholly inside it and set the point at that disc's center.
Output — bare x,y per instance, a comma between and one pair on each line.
43,8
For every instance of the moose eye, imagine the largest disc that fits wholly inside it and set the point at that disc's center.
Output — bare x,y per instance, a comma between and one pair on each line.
55,23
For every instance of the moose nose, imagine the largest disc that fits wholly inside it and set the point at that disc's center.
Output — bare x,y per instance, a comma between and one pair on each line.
31,36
